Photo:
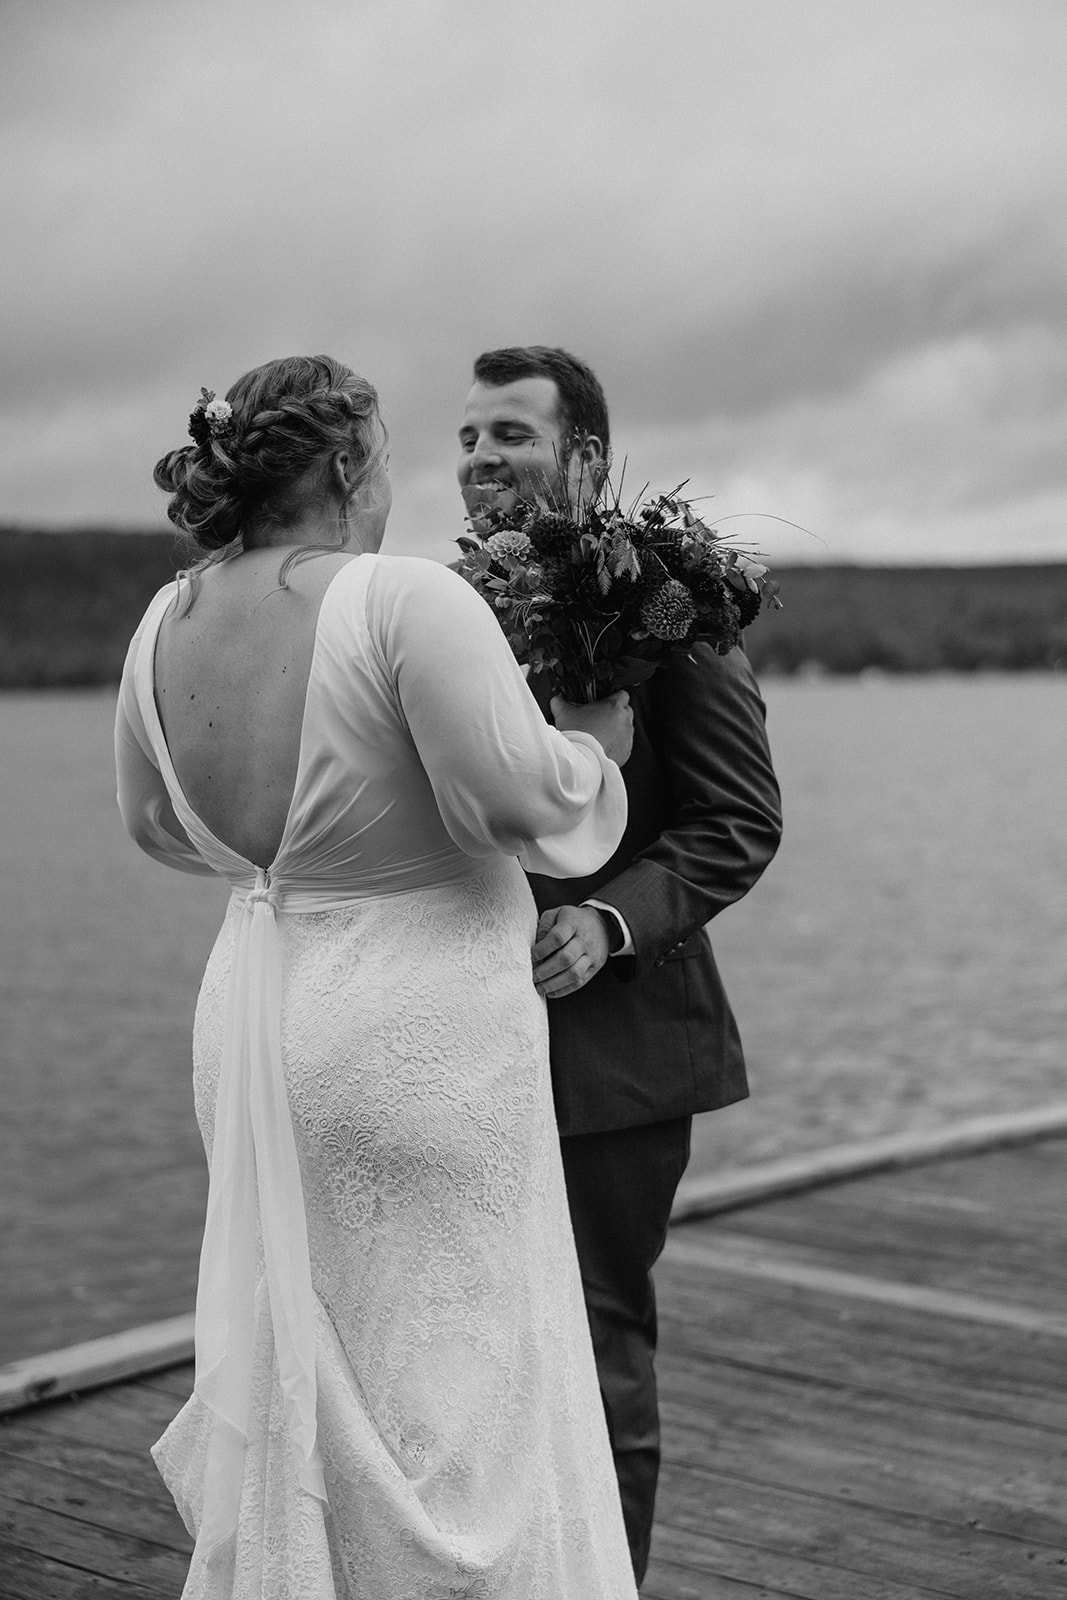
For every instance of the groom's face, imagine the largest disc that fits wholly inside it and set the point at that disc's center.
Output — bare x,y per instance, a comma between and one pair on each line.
510,445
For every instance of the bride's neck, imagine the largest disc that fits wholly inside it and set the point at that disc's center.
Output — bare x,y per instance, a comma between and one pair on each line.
314,529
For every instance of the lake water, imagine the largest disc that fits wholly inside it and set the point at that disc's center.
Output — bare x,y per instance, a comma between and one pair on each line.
902,964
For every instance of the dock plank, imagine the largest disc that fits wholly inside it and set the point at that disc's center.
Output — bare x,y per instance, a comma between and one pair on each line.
862,1398
95,1362
760,1325
929,1461
116,1556
124,1417
941,1225
688,1566
122,1471
695,1564
806,1268
774,1529
178,1381
29,1575
87,1499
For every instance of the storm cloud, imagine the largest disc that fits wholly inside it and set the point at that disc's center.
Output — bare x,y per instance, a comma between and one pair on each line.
814,251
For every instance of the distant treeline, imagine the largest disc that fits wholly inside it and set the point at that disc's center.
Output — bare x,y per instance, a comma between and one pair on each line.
846,619
70,601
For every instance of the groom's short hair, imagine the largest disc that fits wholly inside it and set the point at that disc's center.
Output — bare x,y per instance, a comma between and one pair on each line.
583,408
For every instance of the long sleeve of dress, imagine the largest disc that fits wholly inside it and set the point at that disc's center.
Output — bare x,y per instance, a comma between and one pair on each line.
503,779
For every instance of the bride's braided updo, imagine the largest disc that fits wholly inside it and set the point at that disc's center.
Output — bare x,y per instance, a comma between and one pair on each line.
265,467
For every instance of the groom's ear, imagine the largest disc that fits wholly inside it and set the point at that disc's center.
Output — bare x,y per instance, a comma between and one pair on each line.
593,458
592,451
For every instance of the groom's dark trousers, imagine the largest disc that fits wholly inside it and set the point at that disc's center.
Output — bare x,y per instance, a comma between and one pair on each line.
651,1038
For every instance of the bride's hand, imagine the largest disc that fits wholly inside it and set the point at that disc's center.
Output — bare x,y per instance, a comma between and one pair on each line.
610,721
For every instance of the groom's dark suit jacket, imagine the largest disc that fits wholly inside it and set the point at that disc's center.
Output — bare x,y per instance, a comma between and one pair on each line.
652,1036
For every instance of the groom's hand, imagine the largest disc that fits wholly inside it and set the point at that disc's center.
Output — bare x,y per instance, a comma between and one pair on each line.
571,947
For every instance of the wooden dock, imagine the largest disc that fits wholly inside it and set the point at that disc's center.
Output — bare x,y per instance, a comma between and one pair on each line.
864,1394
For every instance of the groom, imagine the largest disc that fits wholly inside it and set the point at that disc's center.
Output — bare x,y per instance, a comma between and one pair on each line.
642,1035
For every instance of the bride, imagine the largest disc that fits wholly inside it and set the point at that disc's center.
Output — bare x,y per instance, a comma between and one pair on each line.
395,1394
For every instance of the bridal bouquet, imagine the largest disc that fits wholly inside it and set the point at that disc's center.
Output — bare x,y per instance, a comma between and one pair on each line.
596,597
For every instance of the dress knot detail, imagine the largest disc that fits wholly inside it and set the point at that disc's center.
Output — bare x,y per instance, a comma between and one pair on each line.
264,893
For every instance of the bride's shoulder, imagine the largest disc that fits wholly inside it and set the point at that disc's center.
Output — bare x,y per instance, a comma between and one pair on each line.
412,602
141,648
162,601
414,577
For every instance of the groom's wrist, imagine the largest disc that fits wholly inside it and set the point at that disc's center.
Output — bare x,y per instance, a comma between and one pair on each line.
619,940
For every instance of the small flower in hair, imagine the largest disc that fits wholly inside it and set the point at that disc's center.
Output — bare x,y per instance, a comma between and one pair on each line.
210,418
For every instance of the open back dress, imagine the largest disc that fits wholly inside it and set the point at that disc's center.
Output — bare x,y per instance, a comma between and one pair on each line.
395,1391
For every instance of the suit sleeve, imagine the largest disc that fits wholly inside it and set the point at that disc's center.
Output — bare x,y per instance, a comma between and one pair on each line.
722,820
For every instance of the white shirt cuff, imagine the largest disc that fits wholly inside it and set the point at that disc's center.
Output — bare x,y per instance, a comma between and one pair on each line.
627,946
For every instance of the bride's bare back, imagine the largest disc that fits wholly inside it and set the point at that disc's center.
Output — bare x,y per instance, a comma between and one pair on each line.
231,682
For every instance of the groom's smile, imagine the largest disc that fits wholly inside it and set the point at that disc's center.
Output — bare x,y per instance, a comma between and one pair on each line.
510,445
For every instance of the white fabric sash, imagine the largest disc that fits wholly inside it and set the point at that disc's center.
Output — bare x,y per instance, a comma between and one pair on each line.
254,1187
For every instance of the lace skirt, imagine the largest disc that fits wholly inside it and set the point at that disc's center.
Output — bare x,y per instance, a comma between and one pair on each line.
460,1420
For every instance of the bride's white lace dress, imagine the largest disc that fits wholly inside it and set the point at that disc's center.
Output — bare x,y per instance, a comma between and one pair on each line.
396,1397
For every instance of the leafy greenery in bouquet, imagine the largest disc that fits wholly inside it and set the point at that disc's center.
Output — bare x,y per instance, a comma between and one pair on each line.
596,597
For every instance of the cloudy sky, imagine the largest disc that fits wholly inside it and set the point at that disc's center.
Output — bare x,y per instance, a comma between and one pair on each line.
814,248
